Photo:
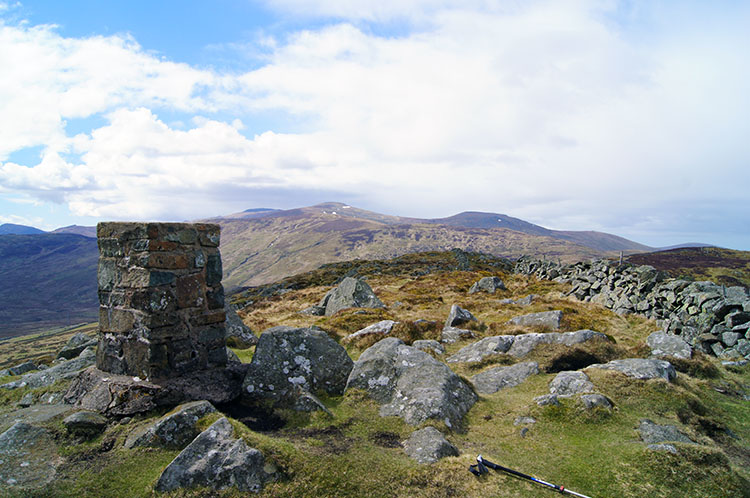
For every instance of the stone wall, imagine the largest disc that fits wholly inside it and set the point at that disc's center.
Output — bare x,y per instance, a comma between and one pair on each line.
711,317
161,300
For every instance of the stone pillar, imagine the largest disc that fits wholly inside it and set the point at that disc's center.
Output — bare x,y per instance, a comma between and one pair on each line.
161,300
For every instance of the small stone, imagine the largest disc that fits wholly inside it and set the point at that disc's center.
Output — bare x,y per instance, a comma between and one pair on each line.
593,400
547,400
428,445
524,421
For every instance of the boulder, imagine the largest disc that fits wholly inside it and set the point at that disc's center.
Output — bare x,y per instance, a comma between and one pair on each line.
545,319
76,345
411,384
428,445
547,400
28,457
453,334
85,424
640,368
27,400
652,433
569,383
22,368
238,334
383,327
429,345
350,293
492,380
487,284
593,400
216,459
174,430
525,343
459,316
232,357
64,370
291,361
662,344
483,348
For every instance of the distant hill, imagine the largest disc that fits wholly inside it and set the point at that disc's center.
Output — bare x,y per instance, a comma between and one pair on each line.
48,280
11,229
723,266
271,245
78,230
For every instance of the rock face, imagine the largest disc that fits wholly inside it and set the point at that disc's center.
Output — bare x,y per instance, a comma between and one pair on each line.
700,313
483,348
237,332
411,384
640,368
383,327
350,293
487,284
218,460
289,362
570,383
459,316
85,424
492,380
28,457
428,445
662,344
174,430
63,370
546,319
652,433
161,300
76,345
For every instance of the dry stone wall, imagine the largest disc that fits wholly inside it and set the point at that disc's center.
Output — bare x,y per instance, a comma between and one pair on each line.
713,318
161,300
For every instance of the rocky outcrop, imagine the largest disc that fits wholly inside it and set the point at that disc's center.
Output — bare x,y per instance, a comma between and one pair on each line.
544,319
428,445
707,316
350,293
291,364
492,380
411,384
429,345
28,457
64,370
216,459
459,316
569,383
21,368
174,430
238,334
639,368
450,335
483,348
663,344
76,345
488,285
383,327
652,433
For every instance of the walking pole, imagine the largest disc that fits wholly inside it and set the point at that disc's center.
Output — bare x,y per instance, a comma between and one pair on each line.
481,468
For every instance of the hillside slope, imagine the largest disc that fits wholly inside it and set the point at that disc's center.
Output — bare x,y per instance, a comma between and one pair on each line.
47,280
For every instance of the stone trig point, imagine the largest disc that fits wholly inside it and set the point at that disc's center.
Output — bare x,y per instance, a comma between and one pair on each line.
161,320
161,300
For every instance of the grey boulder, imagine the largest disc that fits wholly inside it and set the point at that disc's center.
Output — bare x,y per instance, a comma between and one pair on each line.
459,316
22,368
291,364
662,344
569,383
383,327
429,345
652,433
454,334
545,319
594,400
428,445
350,293
174,430
28,457
492,380
64,370
216,459
487,284
640,368
525,343
76,345
411,384
237,332
483,348
85,424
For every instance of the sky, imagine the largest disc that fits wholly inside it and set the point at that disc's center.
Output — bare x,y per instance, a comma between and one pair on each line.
628,117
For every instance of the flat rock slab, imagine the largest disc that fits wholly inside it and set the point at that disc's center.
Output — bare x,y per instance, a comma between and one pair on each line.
483,348
428,445
652,433
411,384
291,361
569,383
174,430
76,345
28,457
639,368
492,380
547,319
64,370
34,414
218,460
450,335
383,327
662,344
521,345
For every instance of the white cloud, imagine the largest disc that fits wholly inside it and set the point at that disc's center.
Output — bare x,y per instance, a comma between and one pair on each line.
548,111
